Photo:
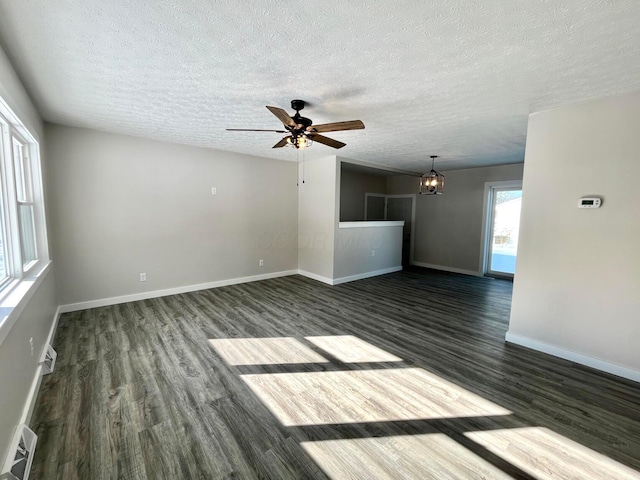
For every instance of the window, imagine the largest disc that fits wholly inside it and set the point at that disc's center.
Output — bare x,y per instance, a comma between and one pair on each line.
24,197
22,229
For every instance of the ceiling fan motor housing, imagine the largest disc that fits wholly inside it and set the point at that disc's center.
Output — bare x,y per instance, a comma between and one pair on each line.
305,122
298,105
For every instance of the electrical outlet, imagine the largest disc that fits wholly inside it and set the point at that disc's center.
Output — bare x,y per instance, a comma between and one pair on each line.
31,345
261,263
214,191
143,277
373,253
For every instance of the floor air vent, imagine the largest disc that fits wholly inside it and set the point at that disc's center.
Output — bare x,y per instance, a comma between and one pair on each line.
18,463
48,360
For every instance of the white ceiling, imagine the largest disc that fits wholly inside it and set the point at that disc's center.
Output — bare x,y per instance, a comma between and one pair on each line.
452,78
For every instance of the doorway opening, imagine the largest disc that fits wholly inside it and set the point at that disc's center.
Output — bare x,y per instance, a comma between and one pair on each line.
502,204
378,206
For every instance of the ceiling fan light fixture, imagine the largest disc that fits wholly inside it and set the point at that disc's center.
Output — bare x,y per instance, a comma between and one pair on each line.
301,131
432,183
299,141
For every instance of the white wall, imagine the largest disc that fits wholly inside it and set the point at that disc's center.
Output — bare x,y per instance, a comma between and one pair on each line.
123,205
577,287
448,227
18,368
12,91
353,252
318,217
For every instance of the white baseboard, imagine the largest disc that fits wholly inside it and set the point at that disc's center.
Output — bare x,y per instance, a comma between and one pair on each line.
575,357
73,307
30,403
474,273
360,276
314,276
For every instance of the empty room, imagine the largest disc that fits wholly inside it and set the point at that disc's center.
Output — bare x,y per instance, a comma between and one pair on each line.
331,240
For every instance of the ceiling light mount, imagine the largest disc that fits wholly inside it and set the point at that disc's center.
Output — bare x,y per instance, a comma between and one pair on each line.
432,183
297,105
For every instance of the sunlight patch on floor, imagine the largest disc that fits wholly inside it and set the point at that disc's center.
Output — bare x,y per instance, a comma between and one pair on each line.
434,456
347,397
544,453
265,351
315,398
350,349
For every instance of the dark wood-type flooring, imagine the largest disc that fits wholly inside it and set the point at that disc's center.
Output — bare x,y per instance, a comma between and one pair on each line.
405,375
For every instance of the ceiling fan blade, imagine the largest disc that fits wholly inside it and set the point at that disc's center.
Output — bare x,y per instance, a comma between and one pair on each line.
281,143
283,116
253,130
326,140
337,126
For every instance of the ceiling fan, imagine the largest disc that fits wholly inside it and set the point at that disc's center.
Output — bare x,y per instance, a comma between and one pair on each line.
301,131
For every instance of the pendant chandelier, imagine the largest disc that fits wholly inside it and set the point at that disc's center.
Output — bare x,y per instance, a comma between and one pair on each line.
432,183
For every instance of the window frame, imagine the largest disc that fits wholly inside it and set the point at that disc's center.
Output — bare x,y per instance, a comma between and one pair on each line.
5,249
23,178
13,130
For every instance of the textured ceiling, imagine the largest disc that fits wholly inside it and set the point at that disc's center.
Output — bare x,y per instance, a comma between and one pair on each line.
452,78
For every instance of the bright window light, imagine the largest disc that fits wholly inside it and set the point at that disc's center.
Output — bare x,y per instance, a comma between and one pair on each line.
542,453
350,349
316,398
265,351
405,456
479,439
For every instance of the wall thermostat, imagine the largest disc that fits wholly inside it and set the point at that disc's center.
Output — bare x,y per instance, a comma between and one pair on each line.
589,202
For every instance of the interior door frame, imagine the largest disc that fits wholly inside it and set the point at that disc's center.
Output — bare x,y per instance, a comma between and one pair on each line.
366,198
487,224
413,197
